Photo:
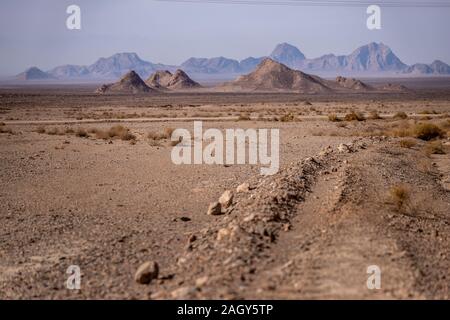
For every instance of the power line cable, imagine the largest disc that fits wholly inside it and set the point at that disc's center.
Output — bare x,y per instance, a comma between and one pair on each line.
336,3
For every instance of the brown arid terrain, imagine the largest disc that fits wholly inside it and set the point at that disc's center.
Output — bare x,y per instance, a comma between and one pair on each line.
87,180
272,76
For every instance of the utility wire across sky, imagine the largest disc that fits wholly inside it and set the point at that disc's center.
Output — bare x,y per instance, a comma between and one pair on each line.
337,3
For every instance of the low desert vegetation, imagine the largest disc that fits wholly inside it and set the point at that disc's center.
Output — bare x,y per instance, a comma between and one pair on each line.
117,131
407,143
40,129
164,135
428,112
354,116
244,117
400,195
427,131
333,117
4,129
400,115
54,131
81,133
289,117
434,147
422,130
374,115
445,124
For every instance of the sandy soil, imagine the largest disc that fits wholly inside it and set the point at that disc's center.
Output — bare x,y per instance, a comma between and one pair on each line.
309,231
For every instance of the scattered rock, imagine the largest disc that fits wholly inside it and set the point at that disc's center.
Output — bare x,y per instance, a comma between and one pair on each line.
158,295
226,199
343,148
326,151
200,282
146,272
215,209
245,187
222,234
182,292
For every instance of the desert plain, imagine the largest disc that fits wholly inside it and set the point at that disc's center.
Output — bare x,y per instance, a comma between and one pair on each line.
88,180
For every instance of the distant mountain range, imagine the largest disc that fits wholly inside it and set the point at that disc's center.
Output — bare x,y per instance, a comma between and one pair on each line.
34,73
268,76
370,59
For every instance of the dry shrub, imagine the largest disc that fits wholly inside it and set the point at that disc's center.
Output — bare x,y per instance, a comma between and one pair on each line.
154,143
82,133
445,124
427,131
166,134
428,112
40,129
53,131
117,131
400,115
156,136
374,115
6,130
400,196
421,130
354,116
243,117
100,134
434,147
121,132
333,117
289,117
407,143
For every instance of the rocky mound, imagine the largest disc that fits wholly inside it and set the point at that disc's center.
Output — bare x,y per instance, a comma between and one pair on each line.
165,79
159,79
270,75
392,87
352,83
129,83
180,80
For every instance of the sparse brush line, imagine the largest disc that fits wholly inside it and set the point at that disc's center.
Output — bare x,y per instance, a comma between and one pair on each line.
311,3
185,119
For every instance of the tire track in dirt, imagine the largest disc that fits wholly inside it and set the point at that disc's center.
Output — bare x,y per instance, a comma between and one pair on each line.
321,247
330,248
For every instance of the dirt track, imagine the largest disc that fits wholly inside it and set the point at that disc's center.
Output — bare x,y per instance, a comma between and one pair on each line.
344,224
310,231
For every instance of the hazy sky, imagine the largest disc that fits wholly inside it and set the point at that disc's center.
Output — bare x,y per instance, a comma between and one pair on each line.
34,32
